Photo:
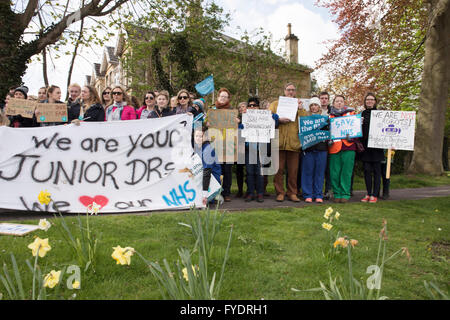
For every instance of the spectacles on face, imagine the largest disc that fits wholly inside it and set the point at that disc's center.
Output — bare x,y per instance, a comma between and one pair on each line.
290,89
183,98
106,92
370,99
253,105
149,98
117,93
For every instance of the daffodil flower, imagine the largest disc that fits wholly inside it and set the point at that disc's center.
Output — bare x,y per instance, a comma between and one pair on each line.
93,208
122,255
337,215
76,285
44,197
185,273
327,226
328,213
44,224
353,242
41,245
52,279
341,242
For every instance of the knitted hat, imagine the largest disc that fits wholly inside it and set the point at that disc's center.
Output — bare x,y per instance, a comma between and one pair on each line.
199,103
314,100
24,90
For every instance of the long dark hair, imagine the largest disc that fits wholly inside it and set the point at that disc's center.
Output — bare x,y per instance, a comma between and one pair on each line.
370,94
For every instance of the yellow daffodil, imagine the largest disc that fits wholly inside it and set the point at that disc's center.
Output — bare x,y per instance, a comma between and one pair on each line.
44,224
328,213
353,242
93,208
327,226
76,285
341,242
122,255
185,273
52,279
41,245
44,197
337,215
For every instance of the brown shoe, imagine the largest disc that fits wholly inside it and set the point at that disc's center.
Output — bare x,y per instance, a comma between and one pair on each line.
337,200
280,197
344,200
294,198
227,199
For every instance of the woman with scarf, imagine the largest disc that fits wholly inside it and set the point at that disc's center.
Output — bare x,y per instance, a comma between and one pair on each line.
162,108
120,107
370,157
342,155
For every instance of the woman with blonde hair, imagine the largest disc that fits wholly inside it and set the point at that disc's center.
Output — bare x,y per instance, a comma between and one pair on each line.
162,108
89,109
184,102
120,107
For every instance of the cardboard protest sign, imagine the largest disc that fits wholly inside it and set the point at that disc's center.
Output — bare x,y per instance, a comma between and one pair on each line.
287,108
259,126
340,127
223,118
225,142
22,107
14,229
392,130
121,165
52,112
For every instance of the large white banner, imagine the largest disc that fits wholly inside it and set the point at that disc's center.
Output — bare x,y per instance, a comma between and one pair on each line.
392,129
138,165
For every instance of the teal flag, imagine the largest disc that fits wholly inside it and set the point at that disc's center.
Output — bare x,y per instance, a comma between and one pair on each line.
206,86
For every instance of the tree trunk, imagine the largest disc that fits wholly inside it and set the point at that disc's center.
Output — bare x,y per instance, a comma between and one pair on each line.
434,96
74,55
44,66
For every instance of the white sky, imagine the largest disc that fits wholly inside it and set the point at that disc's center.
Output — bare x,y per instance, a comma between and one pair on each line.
312,25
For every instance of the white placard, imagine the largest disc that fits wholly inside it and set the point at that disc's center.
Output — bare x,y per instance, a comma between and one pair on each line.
392,130
341,127
14,229
259,126
124,166
197,171
287,108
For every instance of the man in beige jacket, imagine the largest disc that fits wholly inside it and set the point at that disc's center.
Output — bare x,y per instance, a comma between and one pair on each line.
289,149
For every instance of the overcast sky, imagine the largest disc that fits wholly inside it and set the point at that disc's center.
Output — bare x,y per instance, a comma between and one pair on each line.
312,25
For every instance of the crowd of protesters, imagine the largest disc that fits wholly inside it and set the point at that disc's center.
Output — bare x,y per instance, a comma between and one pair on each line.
323,171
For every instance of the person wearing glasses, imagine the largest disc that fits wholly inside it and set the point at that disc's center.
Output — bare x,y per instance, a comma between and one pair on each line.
184,102
89,108
289,149
148,107
162,108
106,97
371,157
120,107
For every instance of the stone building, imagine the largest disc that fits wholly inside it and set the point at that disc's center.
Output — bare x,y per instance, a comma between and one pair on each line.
111,71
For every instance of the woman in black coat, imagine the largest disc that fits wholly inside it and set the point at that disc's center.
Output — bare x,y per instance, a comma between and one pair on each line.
90,108
371,157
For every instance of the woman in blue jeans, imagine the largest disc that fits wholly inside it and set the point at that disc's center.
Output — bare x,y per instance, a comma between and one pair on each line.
314,163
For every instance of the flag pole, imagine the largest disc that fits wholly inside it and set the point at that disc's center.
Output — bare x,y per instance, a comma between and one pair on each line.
212,75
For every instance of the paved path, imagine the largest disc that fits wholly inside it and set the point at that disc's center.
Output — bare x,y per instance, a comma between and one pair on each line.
269,203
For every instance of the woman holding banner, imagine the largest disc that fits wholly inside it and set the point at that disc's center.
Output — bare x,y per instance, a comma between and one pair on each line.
120,107
162,108
148,107
342,155
106,97
184,102
371,157
314,162
89,108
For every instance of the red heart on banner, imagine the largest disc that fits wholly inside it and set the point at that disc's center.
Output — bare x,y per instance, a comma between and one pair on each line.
100,200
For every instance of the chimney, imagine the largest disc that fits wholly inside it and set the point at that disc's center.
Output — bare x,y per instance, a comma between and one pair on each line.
291,46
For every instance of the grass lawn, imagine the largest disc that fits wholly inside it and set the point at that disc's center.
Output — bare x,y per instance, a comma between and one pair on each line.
271,250
399,181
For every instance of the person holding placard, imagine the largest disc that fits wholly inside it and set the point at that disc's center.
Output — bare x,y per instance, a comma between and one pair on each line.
162,108
209,160
89,108
289,149
120,107
53,96
42,94
314,163
342,155
18,121
371,157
